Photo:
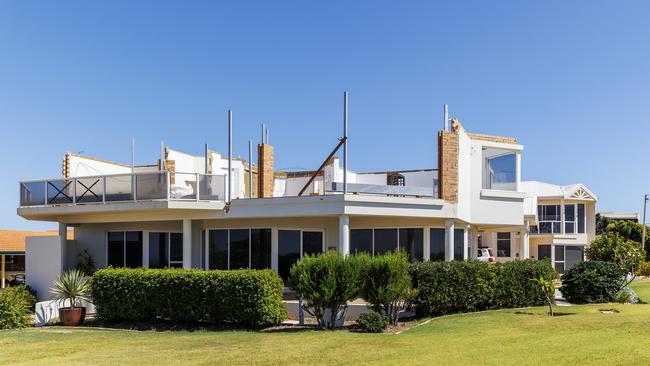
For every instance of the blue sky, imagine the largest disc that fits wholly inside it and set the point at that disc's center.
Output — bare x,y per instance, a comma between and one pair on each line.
569,79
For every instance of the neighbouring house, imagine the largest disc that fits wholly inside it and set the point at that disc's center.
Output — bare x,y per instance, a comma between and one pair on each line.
621,216
187,211
12,254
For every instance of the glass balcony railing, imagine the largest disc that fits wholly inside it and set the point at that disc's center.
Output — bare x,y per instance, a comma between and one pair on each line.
123,187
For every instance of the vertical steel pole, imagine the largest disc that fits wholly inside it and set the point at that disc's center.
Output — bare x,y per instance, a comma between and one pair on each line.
446,117
229,155
345,144
250,169
132,155
207,159
645,203
162,155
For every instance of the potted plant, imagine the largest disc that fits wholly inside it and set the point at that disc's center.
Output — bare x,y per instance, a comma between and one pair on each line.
72,286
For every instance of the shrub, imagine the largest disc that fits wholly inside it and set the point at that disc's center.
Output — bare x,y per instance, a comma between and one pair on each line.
457,287
592,282
373,322
644,269
386,283
245,297
16,304
73,286
612,247
327,282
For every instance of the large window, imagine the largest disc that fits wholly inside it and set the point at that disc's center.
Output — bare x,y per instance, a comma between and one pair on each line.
503,245
293,245
380,241
124,249
437,244
569,219
581,218
165,250
459,244
239,248
549,217
501,171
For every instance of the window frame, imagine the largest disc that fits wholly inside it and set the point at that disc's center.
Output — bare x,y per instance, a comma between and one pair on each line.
124,232
501,240
168,245
397,228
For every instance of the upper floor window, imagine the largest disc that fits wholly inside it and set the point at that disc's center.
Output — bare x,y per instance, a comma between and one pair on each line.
500,170
549,217
569,219
581,218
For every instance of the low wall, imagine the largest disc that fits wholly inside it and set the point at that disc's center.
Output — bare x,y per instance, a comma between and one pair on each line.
43,264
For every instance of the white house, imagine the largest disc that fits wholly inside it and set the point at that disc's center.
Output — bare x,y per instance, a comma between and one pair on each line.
178,212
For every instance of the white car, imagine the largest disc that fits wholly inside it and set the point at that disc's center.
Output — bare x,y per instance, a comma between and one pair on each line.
485,255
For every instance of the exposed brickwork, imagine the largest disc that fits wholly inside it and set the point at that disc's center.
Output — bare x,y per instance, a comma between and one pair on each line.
265,179
506,140
448,165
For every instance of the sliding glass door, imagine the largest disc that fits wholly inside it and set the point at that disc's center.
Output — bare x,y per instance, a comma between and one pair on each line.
294,244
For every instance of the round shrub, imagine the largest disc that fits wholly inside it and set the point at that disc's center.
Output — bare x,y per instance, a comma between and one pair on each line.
387,284
373,322
644,269
592,282
16,304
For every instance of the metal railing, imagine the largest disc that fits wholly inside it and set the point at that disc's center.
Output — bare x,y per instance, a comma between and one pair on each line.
146,186
546,227
385,190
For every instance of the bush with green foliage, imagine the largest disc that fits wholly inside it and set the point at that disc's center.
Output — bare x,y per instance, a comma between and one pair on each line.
16,307
644,269
629,230
327,282
611,247
373,322
245,297
466,286
592,282
386,283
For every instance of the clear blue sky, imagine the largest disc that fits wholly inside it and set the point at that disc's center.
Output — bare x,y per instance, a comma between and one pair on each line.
570,80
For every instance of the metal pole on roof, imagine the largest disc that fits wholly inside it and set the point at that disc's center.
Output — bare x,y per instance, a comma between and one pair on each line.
446,117
266,136
207,162
250,169
345,143
162,155
132,155
229,155
262,136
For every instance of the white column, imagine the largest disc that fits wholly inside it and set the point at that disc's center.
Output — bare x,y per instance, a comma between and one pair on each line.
473,243
517,171
427,244
449,240
553,256
63,237
525,243
344,234
145,249
187,243
466,243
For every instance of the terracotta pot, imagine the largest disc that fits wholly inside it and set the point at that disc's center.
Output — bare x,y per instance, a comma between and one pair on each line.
72,316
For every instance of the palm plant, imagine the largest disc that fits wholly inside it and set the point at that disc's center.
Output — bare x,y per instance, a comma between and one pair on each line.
71,285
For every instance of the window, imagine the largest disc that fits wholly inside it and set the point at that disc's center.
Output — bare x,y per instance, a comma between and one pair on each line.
293,245
124,249
569,219
437,244
380,241
543,251
165,250
459,244
549,217
500,170
395,179
15,263
581,218
559,258
503,245
239,248
411,241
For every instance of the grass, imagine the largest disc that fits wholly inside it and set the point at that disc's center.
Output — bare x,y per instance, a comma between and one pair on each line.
642,288
581,335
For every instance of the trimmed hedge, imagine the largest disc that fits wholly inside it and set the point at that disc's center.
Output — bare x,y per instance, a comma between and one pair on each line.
460,287
592,282
246,297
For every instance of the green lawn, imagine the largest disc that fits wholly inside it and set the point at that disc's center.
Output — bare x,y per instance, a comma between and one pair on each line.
642,288
581,335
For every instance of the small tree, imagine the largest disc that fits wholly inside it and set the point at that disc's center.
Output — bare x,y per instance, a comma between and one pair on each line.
387,283
611,247
326,282
548,288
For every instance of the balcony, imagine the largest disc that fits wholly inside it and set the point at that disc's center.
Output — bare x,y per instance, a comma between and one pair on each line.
546,227
132,187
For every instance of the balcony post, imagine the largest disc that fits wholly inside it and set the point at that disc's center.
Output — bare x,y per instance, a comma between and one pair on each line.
104,189
168,183
517,171
134,186
45,193
74,191
197,187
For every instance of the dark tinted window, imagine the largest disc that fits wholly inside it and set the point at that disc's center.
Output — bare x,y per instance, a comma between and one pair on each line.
360,241
385,241
437,245
288,251
559,253
218,249
503,245
459,244
412,242
158,256
133,249
312,242
239,248
543,251
581,218
176,247
260,248
116,249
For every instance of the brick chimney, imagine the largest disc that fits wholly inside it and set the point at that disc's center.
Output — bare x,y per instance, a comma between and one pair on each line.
448,163
265,178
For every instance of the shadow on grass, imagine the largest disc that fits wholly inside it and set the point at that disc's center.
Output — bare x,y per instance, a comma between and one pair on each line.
545,314
168,326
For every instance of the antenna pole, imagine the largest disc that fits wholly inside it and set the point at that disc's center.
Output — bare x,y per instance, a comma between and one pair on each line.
345,142
229,156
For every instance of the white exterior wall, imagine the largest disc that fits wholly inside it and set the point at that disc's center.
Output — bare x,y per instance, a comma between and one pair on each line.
83,167
44,261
